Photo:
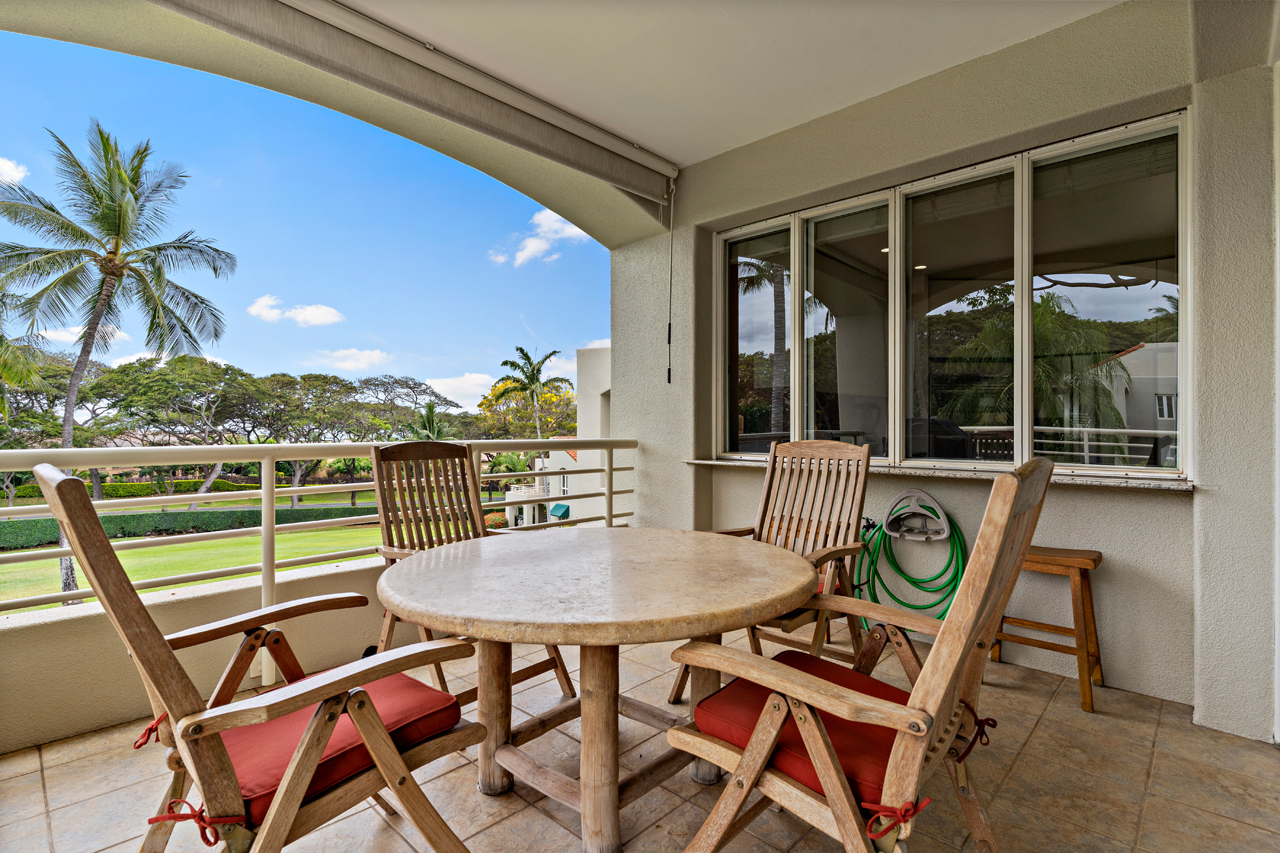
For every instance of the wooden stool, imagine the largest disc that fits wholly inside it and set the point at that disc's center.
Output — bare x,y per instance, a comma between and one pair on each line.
1076,565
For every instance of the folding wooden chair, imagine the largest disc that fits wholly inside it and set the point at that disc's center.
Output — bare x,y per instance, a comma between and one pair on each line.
844,751
429,495
812,505
273,767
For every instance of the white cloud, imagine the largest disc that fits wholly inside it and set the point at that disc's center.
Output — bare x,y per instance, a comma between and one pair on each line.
137,356
601,343
264,308
353,360
465,390
221,362
71,334
12,172
558,365
549,228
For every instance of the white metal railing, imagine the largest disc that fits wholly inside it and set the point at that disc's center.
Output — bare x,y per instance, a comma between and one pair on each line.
267,455
1120,447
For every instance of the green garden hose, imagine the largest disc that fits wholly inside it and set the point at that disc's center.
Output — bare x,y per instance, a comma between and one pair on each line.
869,582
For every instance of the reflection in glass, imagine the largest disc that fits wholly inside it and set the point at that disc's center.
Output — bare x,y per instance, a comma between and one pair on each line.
1105,242
959,322
758,275
846,329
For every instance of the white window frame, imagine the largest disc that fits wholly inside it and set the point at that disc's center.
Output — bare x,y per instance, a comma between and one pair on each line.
1021,165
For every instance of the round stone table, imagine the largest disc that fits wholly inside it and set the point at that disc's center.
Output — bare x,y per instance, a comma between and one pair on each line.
598,588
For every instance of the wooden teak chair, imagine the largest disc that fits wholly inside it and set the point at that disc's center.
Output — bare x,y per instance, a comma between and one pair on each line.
273,767
812,505
429,495
844,751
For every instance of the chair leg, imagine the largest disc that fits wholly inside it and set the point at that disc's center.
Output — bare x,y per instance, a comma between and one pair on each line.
388,633
906,653
157,837
715,830
677,687
399,779
872,647
971,805
426,635
853,829
754,639
298,775
1082,641
562,672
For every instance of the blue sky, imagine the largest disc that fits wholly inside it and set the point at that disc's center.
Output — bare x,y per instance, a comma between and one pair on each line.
437,271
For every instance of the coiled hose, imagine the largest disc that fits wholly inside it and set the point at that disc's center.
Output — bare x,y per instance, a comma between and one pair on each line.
868,582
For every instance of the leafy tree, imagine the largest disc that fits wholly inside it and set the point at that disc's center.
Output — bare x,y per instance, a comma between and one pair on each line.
514,462
427,425
526,379
508,414
754,275
103,262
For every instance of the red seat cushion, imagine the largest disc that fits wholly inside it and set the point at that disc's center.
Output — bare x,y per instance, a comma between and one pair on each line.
731,714
411,711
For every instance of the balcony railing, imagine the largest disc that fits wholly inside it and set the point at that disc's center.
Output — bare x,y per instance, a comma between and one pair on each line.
598,484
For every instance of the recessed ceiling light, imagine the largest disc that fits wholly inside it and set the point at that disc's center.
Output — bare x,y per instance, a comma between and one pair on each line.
922,267
884,250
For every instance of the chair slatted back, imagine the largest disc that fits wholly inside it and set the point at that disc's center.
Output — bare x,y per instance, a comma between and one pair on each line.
813,495
168,685
428,494
953,671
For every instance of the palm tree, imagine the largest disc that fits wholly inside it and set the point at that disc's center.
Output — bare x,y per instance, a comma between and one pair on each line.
19,365
427,425
526,378
756,275
103,262
513,462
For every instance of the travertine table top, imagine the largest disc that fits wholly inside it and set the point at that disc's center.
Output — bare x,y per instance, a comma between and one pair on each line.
597,586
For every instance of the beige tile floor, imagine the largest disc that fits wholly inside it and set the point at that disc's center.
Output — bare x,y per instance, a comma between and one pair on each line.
1134,776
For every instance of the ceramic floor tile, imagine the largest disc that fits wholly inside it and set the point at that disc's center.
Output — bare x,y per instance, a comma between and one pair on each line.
539,698
1072,795
778,828
1172,827
1187,740
25,836
19,763
20,798
460,803
440,766
1114,711
635,818
1019,829
364,831
645,752
1013,729
655,692
97,774
1226,792
557,751
1122,755
110,739
673,833
107,819
528,831
655,655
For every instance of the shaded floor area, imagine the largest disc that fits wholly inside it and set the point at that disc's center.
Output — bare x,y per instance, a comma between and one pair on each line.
1134,776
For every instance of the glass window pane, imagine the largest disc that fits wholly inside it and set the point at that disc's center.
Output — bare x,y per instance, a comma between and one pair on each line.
758,276
959,322
1105,237
846,324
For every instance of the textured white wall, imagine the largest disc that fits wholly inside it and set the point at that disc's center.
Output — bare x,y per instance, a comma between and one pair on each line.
74,675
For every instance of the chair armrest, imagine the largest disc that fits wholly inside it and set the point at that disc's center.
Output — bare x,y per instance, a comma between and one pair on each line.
810,689
737,531
390,553
876,613
285,700
258,618
835,552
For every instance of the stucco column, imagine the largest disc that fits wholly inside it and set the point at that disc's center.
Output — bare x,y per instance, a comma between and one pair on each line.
1232,339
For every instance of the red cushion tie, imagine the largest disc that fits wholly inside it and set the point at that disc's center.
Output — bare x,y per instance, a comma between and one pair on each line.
896,817
980,726
207,825
152,729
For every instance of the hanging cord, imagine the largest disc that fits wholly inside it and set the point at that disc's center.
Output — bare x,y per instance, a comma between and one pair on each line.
671,263
869,582
895,817
980,726
152,730
208,825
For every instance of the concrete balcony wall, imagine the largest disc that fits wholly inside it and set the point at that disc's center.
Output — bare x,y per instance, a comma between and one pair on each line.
73,675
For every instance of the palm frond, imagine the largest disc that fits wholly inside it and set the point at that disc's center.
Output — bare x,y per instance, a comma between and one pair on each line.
156,190
51,305
178,320
82,191
24,266
189,252
23,208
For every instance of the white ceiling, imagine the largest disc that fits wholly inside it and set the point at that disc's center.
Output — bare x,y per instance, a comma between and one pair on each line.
689,79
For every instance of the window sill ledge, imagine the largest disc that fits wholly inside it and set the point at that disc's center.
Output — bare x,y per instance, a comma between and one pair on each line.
1162,484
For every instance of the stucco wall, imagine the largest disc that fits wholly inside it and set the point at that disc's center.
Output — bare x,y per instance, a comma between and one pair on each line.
73,674
1166,554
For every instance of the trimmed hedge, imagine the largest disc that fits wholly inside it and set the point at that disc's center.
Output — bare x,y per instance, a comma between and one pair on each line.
21,533
145,490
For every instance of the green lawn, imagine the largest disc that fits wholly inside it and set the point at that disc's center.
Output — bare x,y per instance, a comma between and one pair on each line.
40,578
